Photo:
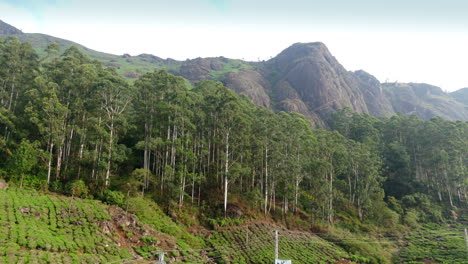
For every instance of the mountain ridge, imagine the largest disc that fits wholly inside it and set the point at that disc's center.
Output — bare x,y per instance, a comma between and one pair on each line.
304,78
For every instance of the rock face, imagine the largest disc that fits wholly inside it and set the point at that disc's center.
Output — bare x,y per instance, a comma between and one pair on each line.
308,79
199,69
250,83
7,29
425,101
377,102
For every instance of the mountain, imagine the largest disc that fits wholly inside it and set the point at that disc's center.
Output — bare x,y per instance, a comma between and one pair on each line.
304,78
460,95
7,29
425,101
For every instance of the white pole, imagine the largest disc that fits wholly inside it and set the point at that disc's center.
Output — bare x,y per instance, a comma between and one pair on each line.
161,258
276,245
466,238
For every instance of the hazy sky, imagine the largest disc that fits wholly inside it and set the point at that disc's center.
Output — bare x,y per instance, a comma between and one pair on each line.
395,40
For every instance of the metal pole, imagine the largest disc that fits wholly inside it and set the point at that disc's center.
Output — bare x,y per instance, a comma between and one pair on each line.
161,258
466,238
276,245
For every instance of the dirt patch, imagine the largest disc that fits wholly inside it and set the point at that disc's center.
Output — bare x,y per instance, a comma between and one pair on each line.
131,232
3,185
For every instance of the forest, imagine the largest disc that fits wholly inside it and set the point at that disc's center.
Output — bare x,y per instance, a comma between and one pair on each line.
70,125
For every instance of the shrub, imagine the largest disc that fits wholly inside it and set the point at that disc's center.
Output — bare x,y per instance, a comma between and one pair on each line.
78,188
411,219
114,197
149,239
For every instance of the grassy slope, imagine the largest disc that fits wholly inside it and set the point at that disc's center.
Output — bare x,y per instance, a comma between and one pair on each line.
124,66
57,229
128,66
48,228
461,96
254,243
437,244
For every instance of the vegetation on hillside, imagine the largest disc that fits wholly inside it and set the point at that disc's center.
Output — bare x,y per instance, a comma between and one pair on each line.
67,119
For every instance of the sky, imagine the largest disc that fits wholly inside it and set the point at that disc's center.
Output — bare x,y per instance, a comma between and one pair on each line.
395,40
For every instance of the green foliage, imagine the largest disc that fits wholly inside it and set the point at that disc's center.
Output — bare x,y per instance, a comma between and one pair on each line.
411,219
148,239
254,243
421,203
114,197
441,243
71,125
53,227
78,188
150,213
146,251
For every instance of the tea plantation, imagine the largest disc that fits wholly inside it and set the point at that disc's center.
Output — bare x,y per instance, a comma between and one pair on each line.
255,243
40,228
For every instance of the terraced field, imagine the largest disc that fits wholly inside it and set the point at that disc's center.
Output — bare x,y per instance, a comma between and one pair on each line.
437,244
38,228
254,243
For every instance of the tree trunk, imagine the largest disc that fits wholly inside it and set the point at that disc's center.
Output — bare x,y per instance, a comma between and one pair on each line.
266,179
49,165
226,171
109,156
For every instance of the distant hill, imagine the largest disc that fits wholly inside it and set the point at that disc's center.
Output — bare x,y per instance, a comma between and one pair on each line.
304,78
461,95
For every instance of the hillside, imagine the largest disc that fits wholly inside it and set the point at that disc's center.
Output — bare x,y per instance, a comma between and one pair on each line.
198,165
425,101
304,78
50,228
461,96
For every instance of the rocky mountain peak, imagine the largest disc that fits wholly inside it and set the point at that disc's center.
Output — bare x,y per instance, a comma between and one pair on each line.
7,29
316,51
305,50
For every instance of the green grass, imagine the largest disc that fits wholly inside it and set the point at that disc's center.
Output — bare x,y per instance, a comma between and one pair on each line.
150,213
230,66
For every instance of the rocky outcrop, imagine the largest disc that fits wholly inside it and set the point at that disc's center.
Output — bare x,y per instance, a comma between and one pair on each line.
251,84
377,103
306,74
8,30
424,100
199,69
304,78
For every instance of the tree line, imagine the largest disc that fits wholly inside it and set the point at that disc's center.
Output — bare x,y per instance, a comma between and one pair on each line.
66,118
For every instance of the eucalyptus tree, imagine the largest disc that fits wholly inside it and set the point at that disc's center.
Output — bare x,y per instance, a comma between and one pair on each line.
223,110
115,94
363,175
19,66
47,113
329,151
75,76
